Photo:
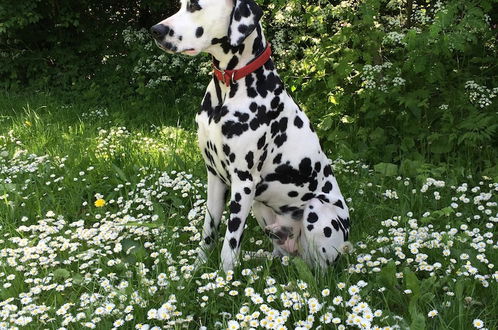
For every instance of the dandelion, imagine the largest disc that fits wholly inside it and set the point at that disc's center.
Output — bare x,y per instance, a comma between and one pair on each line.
99,202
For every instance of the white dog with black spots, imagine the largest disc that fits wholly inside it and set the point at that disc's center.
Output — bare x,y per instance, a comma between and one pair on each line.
258,146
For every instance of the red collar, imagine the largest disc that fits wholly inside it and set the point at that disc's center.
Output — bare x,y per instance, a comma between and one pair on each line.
227,76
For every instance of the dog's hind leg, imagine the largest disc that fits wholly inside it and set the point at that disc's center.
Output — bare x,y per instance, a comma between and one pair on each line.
325,232
215,206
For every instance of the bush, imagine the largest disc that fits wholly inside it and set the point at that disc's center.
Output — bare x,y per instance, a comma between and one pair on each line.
71,46
392,80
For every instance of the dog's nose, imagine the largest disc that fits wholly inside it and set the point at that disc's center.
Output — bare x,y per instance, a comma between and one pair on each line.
159,31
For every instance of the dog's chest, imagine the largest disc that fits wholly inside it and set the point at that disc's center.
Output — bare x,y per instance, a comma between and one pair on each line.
213,145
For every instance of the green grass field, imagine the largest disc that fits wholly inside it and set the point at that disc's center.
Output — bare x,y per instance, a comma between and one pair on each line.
100,216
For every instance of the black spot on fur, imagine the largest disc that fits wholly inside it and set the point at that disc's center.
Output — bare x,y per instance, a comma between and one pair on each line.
327,187
234,87
210,169
280,139
250,159
297,214
193,6
247,190
234,207
244,175
233,243
339,204
206,104
288,209
260,188
275,102
305,167
261,141
307,197
327,170
312,217
199,32
226,149
262,158
233,62
293,194
286,174
243,28
335,224
327,231
277,159
234,224
243,117
231,128
310,227
298,122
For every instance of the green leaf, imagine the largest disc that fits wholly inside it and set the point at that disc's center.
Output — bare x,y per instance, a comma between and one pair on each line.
491,172
304,271
440,144
447,211
412,282
418,322
77,279
120,173
387,275
386,169
61,273
409,167
459,289
8,187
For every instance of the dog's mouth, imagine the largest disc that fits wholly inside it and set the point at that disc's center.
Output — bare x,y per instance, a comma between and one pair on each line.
190,52
172,49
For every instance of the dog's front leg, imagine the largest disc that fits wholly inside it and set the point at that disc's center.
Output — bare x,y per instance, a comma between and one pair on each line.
215,206
241,198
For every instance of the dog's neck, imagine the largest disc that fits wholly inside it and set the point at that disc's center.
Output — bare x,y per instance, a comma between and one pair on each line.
227,57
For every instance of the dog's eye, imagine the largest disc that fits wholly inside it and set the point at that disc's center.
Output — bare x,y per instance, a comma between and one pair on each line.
193,5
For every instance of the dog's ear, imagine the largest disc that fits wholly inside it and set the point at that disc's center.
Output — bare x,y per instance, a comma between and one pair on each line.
245,18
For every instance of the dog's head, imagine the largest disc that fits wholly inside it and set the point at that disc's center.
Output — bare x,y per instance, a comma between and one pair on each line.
199,23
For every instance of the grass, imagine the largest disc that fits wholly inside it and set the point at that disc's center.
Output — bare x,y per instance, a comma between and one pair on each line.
424,249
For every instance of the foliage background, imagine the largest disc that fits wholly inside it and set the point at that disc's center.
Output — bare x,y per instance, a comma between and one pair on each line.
401,84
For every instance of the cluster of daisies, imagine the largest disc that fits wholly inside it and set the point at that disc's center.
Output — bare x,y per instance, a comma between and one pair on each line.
127,257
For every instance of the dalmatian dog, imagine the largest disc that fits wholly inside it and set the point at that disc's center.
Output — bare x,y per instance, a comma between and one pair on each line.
258,146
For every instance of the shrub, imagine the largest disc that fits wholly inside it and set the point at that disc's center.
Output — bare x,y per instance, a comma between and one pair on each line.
391,80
